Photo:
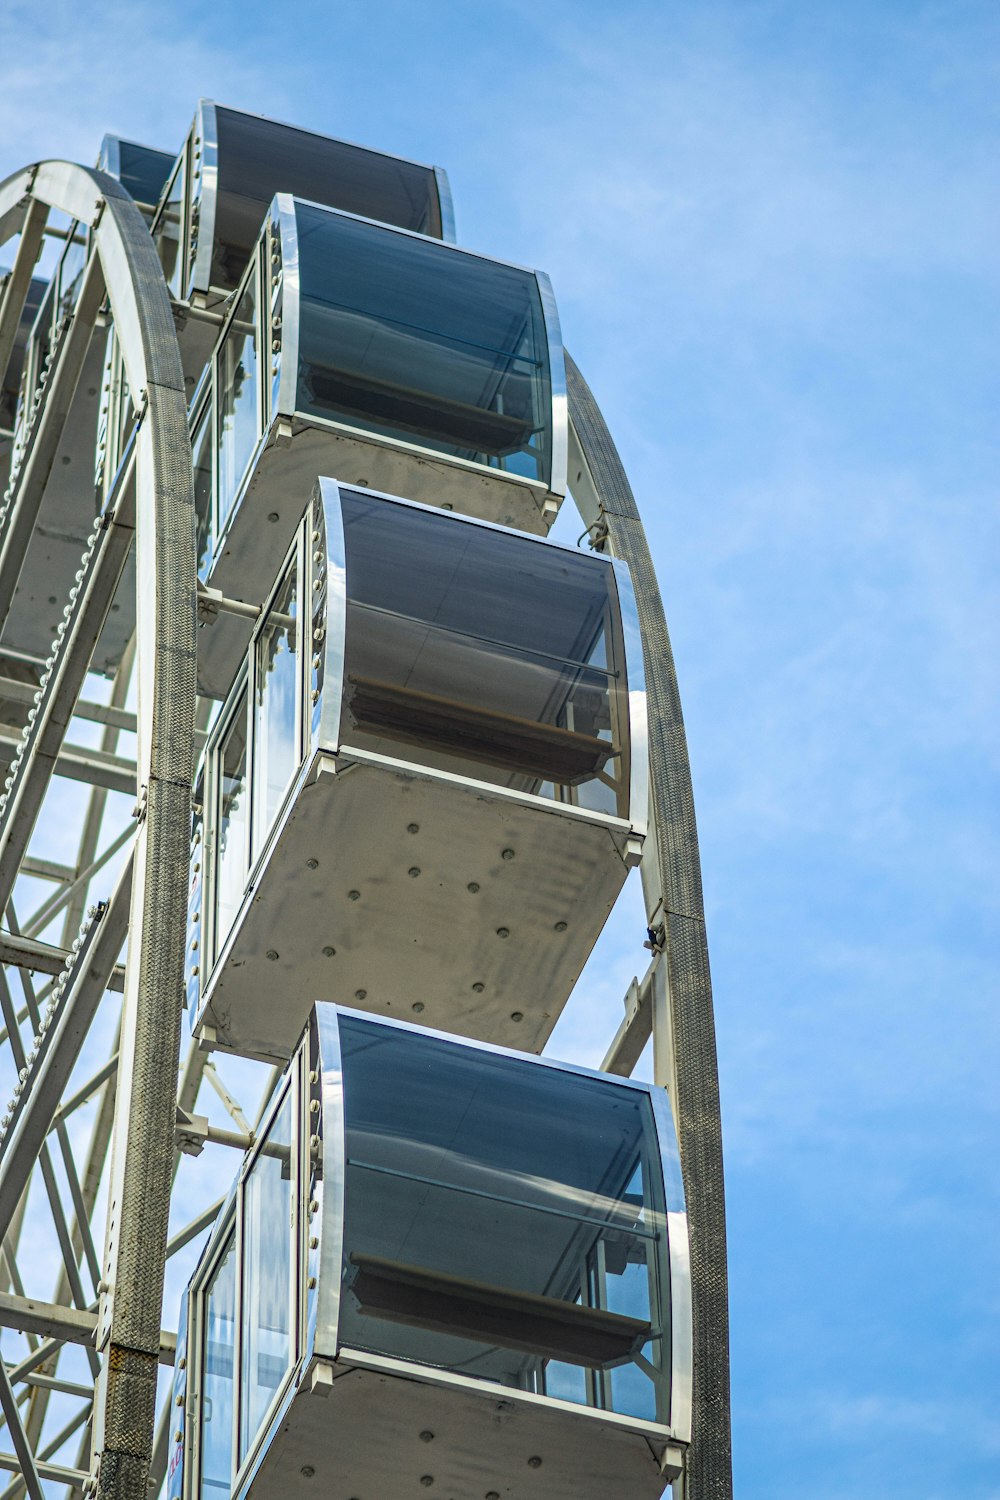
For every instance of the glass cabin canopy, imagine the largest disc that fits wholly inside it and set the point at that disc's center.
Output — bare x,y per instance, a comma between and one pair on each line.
393,361
486,690
449,1224
233,163
141,170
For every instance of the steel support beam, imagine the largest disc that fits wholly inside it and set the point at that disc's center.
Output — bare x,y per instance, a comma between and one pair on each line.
28,485
672,880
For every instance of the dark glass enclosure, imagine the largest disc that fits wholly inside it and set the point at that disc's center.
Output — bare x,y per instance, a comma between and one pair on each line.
258,158
422,342
475,686
141,170
414,1205
502,1220
232,165
15,368
484,653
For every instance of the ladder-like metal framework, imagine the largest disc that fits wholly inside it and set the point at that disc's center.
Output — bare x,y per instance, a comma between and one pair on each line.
98,1131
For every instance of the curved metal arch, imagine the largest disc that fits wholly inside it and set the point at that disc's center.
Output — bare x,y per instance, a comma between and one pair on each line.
672,885
143,1150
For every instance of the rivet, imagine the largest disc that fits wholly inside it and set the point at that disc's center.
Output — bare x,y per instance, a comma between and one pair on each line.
535,1462
328,952
478,987
427,1480
560,927
417,1006
312,864
507,854
472,886
354,895
273,516
427,1436
517,1015
503,932
413,871
307,1471
272,954
361,994
492,1495
413,827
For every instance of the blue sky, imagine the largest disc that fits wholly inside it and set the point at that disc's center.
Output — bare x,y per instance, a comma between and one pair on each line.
772,231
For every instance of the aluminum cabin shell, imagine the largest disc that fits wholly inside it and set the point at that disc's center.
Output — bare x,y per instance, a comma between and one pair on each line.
446,789
479,1256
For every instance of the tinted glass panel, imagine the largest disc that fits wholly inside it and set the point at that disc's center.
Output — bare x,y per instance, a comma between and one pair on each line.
70,273
267,1276
239,421
143,171
503,1220
231,824
258,158
424,343
12,377
276,708
169,231
218,1373
201,451
483,652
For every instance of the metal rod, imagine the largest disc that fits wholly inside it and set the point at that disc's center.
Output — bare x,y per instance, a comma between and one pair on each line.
25,1461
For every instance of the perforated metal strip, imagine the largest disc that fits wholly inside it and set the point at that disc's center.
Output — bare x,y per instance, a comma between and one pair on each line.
697,1081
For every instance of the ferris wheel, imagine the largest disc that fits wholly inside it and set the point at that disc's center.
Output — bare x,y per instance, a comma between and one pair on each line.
326,765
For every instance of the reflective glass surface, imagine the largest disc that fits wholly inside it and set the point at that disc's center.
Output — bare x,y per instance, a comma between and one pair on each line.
70,273
218,1374
12,376
239,421
483,652
418,341
143,171
258,158
276,708
503,1220
169,231
231,823
265,1319
201,452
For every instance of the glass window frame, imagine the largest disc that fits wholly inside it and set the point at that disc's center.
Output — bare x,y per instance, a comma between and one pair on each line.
658,1166
232,1224
553,478
295,559
624,678
181,171
227,1233
211,947
246,682
254,277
